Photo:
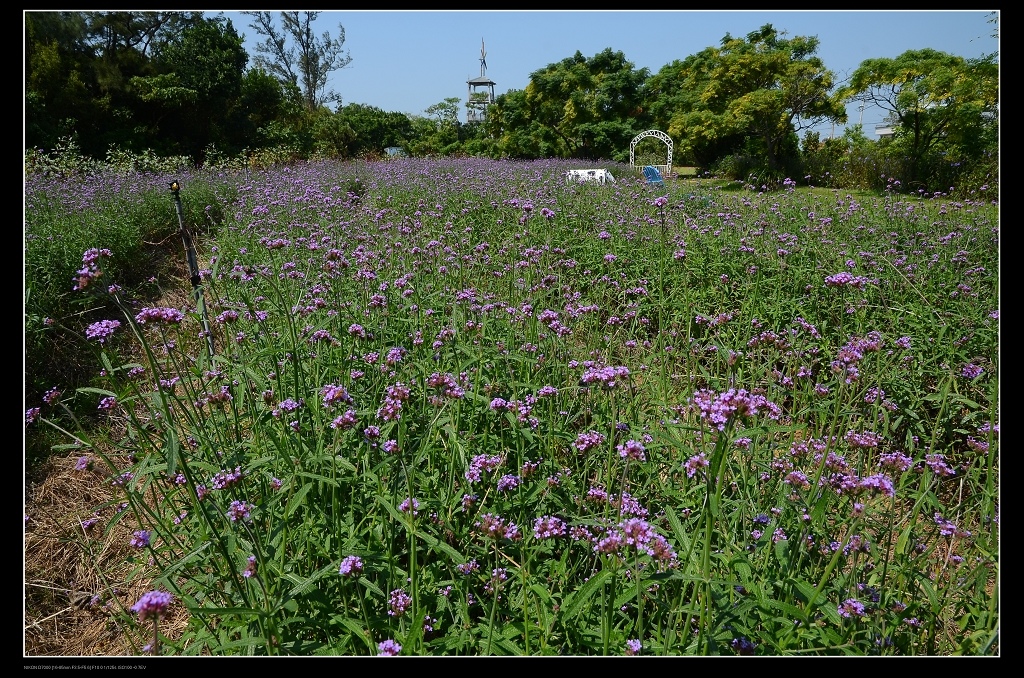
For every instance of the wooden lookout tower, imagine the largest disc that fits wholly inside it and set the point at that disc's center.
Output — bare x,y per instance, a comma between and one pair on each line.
481,91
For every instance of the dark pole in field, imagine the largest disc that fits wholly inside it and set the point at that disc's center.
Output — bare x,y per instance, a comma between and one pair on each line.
193,267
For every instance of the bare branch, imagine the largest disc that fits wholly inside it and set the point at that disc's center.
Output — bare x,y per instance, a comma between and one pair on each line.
295,55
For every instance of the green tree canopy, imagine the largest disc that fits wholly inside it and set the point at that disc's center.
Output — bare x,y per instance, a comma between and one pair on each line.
508,122
79,71
58,78
764,87
374,128
937,101
587,108
438,134
200,73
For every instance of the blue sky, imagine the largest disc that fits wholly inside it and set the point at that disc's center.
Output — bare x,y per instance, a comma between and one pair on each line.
406,61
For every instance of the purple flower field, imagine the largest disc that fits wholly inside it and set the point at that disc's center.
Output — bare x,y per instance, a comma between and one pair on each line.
461,407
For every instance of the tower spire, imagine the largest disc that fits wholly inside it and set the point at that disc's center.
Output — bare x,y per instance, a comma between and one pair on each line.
478,101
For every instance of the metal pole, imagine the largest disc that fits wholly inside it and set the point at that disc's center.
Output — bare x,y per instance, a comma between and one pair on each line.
193,267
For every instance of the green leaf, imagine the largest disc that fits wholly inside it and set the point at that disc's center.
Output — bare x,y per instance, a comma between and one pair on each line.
831,612
186,559
901,543
437,544
248,643
792,611
97,391
679,531
395,513
296,499
575,601
507,645
957,398
782,553
304,584
171,450
741,567
929,590
807,591
227,611
370,586
357,630
315,476
627,594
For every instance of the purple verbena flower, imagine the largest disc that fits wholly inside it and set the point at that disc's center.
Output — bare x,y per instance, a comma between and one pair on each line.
287,405
398,602
743,646
351,566
345,421
496,527
971,371
607,377
588,441
169,316
507,482
152,604
140,539
548,527
937,463
694,463
878,484
480,464
851,607
388,648
239,510
102,330
468,568
631,449
332,395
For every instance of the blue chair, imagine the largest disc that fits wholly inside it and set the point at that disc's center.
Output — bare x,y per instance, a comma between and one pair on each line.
653,176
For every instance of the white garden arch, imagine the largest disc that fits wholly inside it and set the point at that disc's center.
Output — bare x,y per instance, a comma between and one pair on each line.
665,169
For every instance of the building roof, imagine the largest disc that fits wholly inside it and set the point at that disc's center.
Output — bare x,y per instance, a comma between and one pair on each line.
483,80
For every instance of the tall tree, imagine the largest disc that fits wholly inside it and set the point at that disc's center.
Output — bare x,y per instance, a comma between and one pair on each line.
199,77
588,108
126,42
58,78
142,32
438,135
374,128
936,100
261,102
765,87
79,66
296,56
517,135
